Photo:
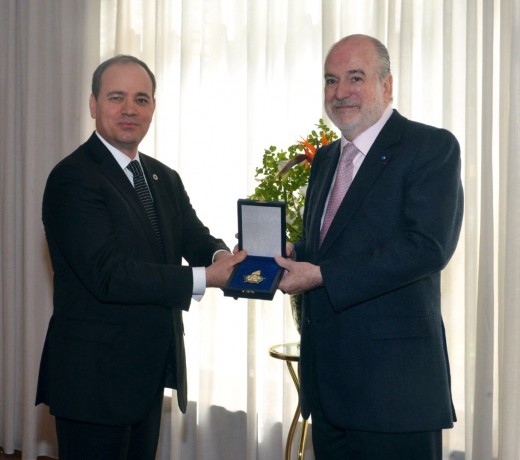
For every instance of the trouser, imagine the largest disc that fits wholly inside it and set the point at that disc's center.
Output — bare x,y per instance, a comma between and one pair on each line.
334,443
87,441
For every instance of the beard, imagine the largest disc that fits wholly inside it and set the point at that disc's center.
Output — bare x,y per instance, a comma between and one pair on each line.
360,117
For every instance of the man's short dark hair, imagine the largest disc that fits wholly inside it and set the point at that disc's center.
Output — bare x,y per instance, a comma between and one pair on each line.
119,59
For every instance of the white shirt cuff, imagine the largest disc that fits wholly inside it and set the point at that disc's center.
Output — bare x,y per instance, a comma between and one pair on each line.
199,280
199,283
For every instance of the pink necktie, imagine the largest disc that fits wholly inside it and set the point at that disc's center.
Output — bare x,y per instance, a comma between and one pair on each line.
341,185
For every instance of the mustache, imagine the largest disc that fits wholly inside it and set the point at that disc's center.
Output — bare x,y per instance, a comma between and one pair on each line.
344,103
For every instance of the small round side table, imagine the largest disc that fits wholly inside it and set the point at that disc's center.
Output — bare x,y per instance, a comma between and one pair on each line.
290,353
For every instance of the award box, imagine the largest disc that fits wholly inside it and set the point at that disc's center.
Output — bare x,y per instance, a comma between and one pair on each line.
261,232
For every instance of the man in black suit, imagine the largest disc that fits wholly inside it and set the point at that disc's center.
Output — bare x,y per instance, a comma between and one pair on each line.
115,339
374,367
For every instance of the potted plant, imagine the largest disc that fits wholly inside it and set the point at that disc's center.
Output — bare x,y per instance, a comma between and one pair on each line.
283,176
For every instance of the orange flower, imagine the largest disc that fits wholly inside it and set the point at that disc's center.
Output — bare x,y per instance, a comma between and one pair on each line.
310,151
324,139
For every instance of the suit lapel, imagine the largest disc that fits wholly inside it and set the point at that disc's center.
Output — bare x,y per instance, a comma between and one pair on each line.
109,167
374,163
330,161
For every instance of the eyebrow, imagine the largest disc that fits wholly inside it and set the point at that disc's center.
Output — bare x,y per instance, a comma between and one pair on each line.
141,94
350,72
120,92
354,71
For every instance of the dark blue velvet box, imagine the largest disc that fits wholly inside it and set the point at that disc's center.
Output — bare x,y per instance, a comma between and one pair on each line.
261,232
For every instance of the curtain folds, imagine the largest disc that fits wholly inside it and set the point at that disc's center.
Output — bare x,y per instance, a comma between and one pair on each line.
235,77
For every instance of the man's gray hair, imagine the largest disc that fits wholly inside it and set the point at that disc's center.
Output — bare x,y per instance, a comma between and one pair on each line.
381,50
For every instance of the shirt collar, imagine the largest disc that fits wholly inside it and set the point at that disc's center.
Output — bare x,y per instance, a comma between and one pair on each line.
365,140
119,156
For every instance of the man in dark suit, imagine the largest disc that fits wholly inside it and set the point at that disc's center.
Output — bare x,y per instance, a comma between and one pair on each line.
115,339
374,367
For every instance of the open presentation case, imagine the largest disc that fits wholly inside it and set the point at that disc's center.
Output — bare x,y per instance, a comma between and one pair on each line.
261,232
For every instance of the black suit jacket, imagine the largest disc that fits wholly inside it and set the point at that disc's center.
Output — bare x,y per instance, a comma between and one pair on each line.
372,344
116,332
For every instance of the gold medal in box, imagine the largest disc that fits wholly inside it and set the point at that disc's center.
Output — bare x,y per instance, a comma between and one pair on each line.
254,278
261,232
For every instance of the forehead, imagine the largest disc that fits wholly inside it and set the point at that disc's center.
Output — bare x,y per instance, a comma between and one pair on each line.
353,54
126,77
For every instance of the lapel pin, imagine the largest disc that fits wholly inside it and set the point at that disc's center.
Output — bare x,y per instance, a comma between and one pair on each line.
155,177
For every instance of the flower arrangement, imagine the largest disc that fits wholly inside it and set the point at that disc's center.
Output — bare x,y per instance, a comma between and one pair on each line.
284,175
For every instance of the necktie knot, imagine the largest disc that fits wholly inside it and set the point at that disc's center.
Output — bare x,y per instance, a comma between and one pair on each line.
349,153
135,168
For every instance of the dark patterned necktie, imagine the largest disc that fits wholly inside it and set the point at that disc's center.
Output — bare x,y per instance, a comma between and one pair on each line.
143,192
341,185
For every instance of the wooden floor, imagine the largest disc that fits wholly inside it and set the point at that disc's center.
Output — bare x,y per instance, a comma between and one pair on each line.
17,455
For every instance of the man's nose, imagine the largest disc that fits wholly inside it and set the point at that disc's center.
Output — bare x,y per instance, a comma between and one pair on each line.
128,107
343,89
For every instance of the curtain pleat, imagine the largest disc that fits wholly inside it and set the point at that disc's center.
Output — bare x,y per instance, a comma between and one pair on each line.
509,205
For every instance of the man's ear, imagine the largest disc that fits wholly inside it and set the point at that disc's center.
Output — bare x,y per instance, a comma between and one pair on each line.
387,87
92,103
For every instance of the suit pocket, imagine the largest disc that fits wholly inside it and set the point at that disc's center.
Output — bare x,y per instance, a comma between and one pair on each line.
89,331
390,327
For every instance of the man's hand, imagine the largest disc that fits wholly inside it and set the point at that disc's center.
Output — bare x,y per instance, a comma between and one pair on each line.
218,273
298,276
289,251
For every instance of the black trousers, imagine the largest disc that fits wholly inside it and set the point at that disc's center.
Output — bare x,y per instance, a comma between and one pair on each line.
87,441
333,443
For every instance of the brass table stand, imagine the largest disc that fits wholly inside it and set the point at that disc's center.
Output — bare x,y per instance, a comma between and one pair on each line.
290,352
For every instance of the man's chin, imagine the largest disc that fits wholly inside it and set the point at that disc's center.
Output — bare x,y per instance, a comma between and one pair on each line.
345,125
130,141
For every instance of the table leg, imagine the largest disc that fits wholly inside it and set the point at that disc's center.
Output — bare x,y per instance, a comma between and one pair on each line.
303,437
292,430
294,423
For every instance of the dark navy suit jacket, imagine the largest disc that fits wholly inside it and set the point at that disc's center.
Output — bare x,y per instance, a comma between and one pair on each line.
372,337
116,332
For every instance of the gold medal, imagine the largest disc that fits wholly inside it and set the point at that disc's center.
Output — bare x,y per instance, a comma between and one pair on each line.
254,278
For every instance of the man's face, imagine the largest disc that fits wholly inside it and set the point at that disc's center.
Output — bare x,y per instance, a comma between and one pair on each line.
124,108
354,97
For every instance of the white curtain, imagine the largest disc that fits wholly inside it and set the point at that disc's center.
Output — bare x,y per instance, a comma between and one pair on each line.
234,77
